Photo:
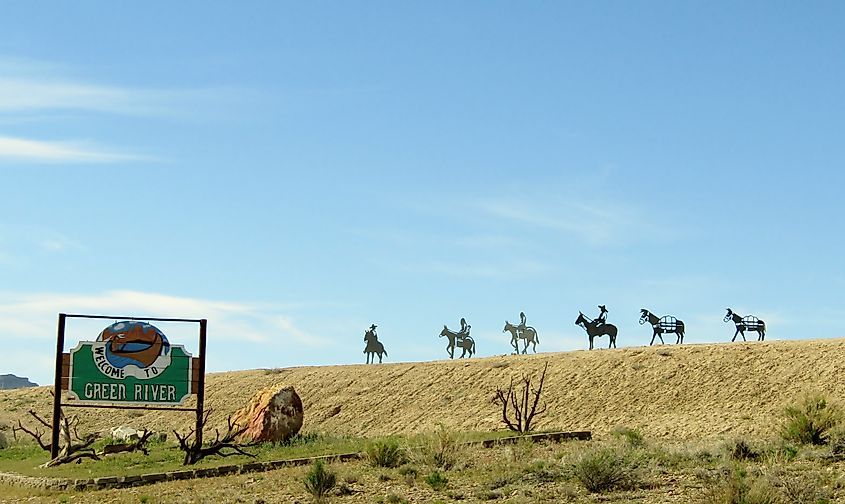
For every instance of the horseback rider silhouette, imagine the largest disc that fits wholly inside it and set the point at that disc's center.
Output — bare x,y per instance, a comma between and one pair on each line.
463,333
373,332
521,326
602,318
373,346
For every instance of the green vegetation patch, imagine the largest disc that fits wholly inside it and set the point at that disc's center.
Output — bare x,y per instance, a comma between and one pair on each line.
25,458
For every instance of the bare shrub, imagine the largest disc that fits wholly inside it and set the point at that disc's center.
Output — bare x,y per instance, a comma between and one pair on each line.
196,451
520,407
802,488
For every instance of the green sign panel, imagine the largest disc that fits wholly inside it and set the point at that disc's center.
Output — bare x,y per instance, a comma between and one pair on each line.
130,363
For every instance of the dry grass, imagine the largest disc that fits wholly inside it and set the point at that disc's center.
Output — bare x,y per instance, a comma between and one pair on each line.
696,393
493,475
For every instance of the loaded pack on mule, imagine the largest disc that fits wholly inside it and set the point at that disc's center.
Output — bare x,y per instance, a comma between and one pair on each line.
662,325
749,323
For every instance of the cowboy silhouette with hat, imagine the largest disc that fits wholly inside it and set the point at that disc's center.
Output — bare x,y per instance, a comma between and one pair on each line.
602,318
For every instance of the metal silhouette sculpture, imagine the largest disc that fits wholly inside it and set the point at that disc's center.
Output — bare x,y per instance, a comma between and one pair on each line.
594,328
602,318
461,339
522,331
663,325
374,346
749,323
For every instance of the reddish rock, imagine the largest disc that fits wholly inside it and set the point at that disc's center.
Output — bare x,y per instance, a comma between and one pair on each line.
273,414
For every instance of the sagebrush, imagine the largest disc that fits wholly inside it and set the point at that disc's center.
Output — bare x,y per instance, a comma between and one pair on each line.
605,469
386,453
811,421
319,480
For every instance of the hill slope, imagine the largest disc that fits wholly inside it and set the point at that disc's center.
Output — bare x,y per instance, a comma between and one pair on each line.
680,392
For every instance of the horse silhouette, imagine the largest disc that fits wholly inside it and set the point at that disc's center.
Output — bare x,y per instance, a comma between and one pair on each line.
374,346
749,323
593,329
464,342
667,324
529,334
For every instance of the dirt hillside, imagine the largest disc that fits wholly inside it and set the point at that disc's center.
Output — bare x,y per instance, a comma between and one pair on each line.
677,392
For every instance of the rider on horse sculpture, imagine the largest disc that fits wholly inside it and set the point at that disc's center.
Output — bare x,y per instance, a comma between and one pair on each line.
602,318
521,327
463,333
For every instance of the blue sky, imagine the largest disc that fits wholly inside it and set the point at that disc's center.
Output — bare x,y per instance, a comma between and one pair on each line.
297,171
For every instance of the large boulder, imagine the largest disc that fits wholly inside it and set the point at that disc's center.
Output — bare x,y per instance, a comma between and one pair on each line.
273,414
4,443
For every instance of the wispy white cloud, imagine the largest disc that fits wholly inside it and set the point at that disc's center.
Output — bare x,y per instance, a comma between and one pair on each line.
24,311
35,91
31,92
26,150
243,334
25,94
595,224
49,94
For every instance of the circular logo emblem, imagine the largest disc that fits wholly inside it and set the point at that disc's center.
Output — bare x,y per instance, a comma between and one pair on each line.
138,348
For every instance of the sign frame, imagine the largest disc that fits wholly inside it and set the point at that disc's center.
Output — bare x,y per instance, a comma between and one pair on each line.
62,375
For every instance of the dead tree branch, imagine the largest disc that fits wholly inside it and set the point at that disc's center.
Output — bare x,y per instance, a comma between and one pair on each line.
70,451
36,434
40,420
195,452
522,404
74,448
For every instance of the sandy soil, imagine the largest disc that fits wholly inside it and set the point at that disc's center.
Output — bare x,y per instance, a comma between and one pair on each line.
667,392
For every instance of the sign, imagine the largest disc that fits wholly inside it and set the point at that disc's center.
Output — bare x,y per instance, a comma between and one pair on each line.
130,363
